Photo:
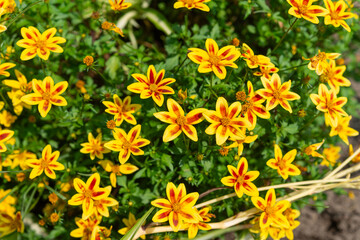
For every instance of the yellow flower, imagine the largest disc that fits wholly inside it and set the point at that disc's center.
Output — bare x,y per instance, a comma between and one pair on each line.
54,217
117,170
7,205
129,223
241,179
290,215
112,27
53,198
46,94
95,147
283,163
10,223
190,4
305,9
343,129
337,13
311,150
239,143
6,118
319,61
86,227
88,193
4,67
39,44
122,110
252,60
5,135
331,155
48,163
153,85
214,59
193,228
127,144
266,71
179,122
276,93
333,75
118,5
88,60
19,158
101,206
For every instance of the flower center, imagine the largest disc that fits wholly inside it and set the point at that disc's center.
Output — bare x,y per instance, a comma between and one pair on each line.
189,2
214,59
176,207
115,169
153,87
181,120
321,56
269,210
329,105
46,96
254,59
40,44
247,106
225,121
282,165
334,15
240,179
303,9
276,94
339,128
88,193
126,145
44,164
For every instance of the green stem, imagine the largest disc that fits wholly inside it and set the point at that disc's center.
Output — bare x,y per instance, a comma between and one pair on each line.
211,86
282,70
29,200
186,23
156,107
292,25
308,123
181,64
136,161
2,96
102,76
186,144
54,191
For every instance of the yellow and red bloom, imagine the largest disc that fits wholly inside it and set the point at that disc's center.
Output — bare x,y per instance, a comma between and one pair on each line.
276,92
199,4
95,147
88,193
39,44
101,206
48,163
19,158
239,143
178,208
193,228
179,122
331,155
305,9
7,119
252,60
312,149
241,179
5,135
319,61
266,71
272,211
10,223
7,205
283,163
154,85
4,67
129,223
333,75
343,130
327,102
356,159
117,170
122,110
86,227
127,144
46,94
214,60
253,107
290,215
337,14
118,5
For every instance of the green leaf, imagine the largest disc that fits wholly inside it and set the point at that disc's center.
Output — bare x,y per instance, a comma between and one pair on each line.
167,160
131,233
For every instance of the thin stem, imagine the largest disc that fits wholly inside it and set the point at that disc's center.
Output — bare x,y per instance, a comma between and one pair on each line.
292,25
211,86
308,123
54,191
102,76
22,12
304,64
181,64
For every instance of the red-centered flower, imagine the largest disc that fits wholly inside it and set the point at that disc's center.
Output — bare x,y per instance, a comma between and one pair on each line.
193,228
337,14
101,206
122,110
178,208
117,170
10,223
46,94
312,149
118,5
95,147
179,122
152,86
86,227
190,4
333,75
4,67
225,121
127,144
214,60
283,163
343,129
272,211
4,136
241,179
266,72
252,107
276,92
88,193
319,61
327,102
48,163
252,60
305,9
239,143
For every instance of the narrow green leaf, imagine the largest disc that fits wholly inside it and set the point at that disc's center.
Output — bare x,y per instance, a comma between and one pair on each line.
131,233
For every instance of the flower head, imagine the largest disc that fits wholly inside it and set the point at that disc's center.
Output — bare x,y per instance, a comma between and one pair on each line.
337,13
10,223
18,158
312,149
95,147
129,223
48,163
214,59
88,60
122,110
266,71
88,193
276,92
305,9
331,155
241,179
127,144
153,85
101,206
117,170
343,130
252,60
118,5
356,159
333,75
112,27
179,122
319,61
272,211
6,118
283,163
39,44
178,208
327,102
193,228
225,121
190,4
4,67
5,135
86,227
239,143
46,94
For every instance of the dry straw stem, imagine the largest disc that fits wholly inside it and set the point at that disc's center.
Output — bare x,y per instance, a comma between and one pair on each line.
333,180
